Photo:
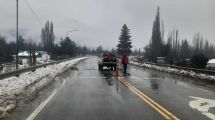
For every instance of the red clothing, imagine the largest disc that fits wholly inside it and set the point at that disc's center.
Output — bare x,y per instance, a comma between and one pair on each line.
110,56
125,59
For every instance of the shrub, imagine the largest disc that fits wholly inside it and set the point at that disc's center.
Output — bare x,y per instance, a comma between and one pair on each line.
199,61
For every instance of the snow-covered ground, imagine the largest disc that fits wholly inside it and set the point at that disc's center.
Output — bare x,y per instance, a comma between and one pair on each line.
12,66
181,72
29,82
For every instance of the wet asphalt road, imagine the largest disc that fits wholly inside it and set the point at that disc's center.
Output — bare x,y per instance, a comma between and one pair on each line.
88,94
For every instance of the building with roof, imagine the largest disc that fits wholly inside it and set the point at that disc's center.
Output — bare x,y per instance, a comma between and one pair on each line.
41,57
211,64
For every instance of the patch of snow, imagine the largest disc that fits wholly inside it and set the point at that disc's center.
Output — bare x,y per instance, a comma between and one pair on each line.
211,61
29,82
188,73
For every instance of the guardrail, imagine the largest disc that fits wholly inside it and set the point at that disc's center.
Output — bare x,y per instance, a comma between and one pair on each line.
208,72
32,68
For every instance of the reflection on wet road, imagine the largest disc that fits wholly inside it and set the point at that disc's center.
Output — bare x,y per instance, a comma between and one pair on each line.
87,93
173,92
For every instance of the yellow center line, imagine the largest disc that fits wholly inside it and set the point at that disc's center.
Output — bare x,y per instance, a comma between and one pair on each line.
150,99
162,113
165,113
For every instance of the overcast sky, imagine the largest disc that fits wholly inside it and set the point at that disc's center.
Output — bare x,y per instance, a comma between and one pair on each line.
99,21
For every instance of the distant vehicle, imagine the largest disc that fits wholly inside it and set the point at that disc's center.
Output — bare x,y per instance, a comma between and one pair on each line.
211,64
161,60
108,60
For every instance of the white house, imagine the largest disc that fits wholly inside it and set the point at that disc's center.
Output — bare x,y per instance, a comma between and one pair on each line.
41,56
23,57
211,63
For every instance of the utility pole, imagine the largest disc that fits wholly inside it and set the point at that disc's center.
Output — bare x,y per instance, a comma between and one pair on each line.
17,35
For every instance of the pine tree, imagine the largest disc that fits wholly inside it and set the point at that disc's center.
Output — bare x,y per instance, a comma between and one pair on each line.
99,49
68,47
124,46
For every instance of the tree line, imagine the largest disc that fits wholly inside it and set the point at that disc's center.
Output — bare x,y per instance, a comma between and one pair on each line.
8,49
177,50
65,48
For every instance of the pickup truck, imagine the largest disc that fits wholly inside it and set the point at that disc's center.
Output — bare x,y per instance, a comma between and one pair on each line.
107,60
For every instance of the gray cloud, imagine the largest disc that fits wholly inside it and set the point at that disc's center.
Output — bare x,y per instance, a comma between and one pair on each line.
99,21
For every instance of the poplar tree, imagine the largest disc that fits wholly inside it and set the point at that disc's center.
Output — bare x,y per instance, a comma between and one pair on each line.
156,39
48,37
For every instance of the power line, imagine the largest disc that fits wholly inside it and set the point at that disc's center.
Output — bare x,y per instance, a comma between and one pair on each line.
34,13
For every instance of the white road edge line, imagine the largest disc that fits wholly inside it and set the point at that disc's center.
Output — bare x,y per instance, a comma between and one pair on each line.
40,107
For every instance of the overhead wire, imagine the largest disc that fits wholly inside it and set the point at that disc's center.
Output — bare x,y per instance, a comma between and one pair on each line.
34,13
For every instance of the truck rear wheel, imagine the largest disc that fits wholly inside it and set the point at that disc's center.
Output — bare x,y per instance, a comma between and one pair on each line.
100,67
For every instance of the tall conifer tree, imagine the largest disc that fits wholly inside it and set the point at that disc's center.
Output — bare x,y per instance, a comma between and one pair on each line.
124,46
156,40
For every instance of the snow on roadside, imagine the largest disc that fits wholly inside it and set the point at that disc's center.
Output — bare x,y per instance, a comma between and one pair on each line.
187,73
28,82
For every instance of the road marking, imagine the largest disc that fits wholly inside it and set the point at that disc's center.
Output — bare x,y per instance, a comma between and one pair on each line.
135,77
138,94
94,77
165,113
33,115
203,105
